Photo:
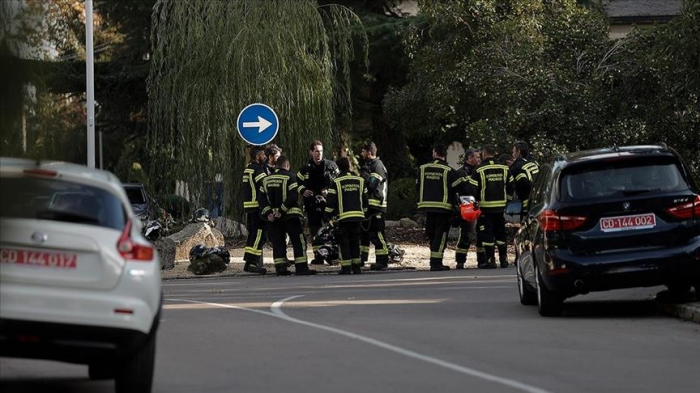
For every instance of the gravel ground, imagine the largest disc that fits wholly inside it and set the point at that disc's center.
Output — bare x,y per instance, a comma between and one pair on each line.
412,241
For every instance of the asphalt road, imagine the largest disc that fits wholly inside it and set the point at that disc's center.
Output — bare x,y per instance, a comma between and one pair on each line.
457,331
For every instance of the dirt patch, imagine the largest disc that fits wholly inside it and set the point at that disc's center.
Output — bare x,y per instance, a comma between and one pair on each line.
411,240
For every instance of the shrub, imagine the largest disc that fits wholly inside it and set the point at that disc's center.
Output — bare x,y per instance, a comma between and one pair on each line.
402,199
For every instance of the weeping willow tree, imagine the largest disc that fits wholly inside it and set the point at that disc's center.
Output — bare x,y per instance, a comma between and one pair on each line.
213,58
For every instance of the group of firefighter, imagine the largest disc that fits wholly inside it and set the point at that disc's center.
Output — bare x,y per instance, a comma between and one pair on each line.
276,201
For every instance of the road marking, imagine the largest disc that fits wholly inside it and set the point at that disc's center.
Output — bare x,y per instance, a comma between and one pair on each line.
276,311
305,304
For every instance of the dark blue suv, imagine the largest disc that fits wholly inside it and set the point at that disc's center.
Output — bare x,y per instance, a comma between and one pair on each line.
606,219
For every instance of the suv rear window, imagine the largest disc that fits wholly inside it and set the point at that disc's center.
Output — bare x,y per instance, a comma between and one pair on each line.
135,194
620,178
58,200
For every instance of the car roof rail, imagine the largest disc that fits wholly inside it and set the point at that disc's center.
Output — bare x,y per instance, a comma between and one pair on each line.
663,144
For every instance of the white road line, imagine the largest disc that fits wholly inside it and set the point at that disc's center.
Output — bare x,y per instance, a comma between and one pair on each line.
277,312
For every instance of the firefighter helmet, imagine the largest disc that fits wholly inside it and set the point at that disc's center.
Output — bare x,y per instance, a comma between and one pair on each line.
469,208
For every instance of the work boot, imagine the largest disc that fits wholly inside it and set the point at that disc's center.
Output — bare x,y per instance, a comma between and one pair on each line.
302,269
439,268
252,267
357,269
345,270
460,266
281,269
503,255
378,266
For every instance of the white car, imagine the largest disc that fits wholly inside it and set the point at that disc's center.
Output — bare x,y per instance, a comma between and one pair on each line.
78,281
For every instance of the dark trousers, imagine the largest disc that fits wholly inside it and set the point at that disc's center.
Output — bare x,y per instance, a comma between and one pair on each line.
436,227
278,230
315,219
349,243
492,233
467,237
256,238
373,231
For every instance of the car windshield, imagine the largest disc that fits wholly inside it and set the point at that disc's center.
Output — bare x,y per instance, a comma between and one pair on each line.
620,178
135,195
58,200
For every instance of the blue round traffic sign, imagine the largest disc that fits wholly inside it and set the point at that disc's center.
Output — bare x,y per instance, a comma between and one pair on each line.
257,124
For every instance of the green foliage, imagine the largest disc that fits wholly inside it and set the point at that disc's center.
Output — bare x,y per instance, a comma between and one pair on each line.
213,58
496,71
402,199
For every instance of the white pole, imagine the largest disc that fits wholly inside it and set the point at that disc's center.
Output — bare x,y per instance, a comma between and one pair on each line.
101,160
90,83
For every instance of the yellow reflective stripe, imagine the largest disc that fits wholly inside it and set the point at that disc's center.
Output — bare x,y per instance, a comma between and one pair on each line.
376,175
328,209
500,203
258,237
260,176
292,186
301,260
294,210
283,208
445,192
487,244
422,176
385,247
332,191
266,209
461,251
483,187
436,255
522,175
443,243
456,182
280,261
351,214
439,205
375,202
251,204
356,261
301,176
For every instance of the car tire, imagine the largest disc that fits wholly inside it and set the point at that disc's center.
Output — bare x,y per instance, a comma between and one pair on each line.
100,371
135,372
527,297
678,290
549,303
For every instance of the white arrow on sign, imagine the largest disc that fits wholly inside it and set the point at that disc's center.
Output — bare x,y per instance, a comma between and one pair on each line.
262,124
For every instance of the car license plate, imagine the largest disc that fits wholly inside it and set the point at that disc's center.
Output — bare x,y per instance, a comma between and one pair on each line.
38,258
628,223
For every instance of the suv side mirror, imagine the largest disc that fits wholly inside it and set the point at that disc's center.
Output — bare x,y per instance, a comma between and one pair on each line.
514,211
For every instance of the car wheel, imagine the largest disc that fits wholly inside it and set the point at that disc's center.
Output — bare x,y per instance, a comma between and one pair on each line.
98,371
135,372
527,297
678,290
549,303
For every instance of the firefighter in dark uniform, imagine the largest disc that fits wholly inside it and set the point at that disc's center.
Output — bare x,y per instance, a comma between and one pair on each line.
314,180
347,204
493,186
273,152
524,172
376,177
437,183
279,197
253,176
467,229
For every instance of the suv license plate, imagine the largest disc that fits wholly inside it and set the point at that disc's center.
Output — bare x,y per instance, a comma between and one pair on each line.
38,258
628,223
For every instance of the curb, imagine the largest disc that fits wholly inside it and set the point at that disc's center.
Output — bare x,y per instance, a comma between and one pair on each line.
686,311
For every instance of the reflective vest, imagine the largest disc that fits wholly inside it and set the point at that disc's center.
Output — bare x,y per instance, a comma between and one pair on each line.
253,175
524,172
280,193
437,183
375,174
493,185
347,198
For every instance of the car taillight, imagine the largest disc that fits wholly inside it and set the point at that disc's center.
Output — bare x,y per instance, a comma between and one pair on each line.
133,250
551,221
40,172
686,210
